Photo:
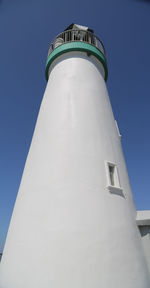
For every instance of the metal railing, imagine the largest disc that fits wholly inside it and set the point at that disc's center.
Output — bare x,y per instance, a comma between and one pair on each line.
75,36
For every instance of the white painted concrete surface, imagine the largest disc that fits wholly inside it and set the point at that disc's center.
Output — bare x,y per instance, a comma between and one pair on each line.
68,230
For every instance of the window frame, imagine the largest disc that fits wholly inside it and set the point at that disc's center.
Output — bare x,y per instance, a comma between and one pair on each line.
116,188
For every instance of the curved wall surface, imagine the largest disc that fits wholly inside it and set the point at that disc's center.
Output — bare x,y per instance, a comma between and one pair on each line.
71,228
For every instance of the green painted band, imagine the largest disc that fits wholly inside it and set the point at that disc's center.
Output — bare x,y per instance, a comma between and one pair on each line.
76,46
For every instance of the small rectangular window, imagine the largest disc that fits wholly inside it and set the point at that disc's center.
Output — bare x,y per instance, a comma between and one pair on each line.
112,175
113,182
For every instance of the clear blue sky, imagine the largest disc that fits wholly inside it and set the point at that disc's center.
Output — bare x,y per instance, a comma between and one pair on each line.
26,30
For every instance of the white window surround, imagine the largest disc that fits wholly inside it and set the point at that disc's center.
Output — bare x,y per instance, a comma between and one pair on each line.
116,188
118,129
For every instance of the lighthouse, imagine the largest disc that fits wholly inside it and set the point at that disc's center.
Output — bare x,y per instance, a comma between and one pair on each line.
74,220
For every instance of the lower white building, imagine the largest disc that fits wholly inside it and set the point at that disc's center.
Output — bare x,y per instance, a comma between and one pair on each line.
143,222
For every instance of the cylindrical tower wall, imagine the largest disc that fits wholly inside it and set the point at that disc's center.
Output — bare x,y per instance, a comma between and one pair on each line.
69,227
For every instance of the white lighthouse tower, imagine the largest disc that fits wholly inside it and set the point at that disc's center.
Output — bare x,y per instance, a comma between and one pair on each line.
73,224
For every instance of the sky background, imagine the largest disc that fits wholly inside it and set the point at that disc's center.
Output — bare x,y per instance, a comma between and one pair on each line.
26,29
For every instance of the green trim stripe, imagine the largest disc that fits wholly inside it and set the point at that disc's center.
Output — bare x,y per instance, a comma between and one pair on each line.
76,46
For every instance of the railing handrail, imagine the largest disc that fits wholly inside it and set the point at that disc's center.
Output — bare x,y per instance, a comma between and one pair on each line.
74,35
